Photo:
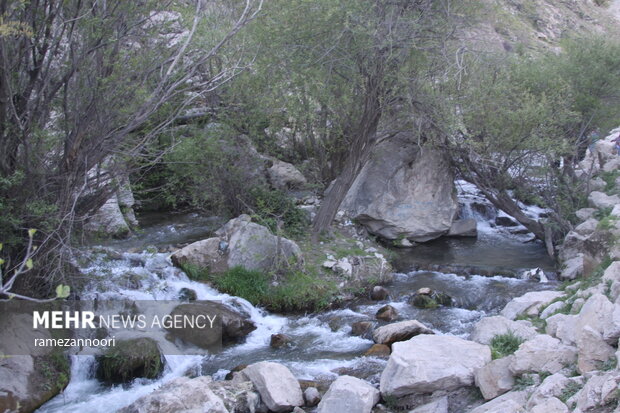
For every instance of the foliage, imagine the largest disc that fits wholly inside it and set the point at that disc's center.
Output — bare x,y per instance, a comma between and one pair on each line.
572,387
295,291
128,359
503,345
273,206
524,381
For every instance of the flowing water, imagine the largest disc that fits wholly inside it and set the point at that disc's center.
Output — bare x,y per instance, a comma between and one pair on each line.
322,345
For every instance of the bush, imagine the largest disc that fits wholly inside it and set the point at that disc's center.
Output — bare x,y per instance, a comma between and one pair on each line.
503,345
269,206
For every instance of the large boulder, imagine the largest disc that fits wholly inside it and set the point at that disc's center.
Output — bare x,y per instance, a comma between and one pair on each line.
430,362
130,359
181,395
404,191
401,331
529,303
464,228
542,353
283,175
240,242
511,402
601,200
234,326
600,390
489,327
349,394
277,386
108,220
495,378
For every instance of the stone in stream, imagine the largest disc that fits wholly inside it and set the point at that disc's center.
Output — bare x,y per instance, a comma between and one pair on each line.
378,350
129,359
427,298
464,228
187,294
349,394
362,328
401,331
232,325
427,363
379,293
279,340
277,386
386,313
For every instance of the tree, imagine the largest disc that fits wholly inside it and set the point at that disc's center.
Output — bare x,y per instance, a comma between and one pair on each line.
84,87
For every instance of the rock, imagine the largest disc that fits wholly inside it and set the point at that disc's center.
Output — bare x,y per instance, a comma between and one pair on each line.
542,353
427,363
562,326
612,165
237,369
552,309
585,213
378,350
529,303
279,340
597,184
362,328
283,175
386,313
552,386
349,394
535,274
238,394
599,390
552,405
464,228
511,402
436,406
108,221
298,410
130,359
401,331
612,273
574,268
379,293
312,396
187,294
247,245
404,191
495,378
601,200
235,326
181,395
427,298
587,227
277,386
201,254
593,351
489,327
506,221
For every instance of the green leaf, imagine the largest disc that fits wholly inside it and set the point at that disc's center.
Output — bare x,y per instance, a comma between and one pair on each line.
31,232
62,291
29,264
1,246
1,261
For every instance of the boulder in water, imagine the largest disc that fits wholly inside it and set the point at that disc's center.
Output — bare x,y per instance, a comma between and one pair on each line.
379,293
232,325
312,396
130,359
464,228
401,331
427,298
378,350
279,340
187,294
387,313
404,191
362,328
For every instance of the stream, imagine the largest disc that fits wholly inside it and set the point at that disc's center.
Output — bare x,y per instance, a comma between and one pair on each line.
322,344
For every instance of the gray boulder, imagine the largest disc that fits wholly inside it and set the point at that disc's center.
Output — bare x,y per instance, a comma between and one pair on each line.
464,228
489,327
511,402
401,331
277,386
181,395
542,353
284,175
427,363
349,394
601,200
239,242
529,303
404,191
495,378
108,220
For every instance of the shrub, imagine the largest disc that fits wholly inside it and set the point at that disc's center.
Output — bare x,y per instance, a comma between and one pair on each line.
503,345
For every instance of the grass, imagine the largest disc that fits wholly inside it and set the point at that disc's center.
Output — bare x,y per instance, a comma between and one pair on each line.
523,382
610,181
295,291
569,391
503,345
